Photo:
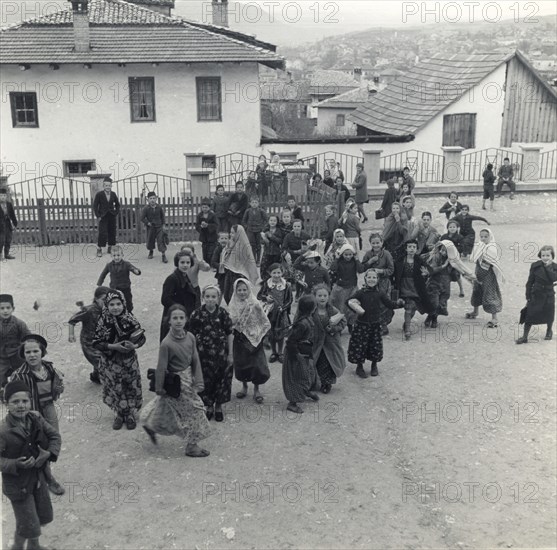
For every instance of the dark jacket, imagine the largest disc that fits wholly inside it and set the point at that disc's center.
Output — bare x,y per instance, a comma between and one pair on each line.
237,205
419,280
207,234
220,206
505,172
389,197
119,274
346,273
12,330
153,216
102,206
24,373
331,223
293,244
360,185
177,289
489,177
446,209
540,293
276,239
254,219
371,299
466,227
8,218
312,277
18,483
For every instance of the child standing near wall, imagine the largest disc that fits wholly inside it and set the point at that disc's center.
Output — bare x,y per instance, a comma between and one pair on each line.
8,220
207,226
254,221
220,207
489,189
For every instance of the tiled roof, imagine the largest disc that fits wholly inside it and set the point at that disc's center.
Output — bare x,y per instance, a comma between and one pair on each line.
323,78
350,99
280,90
121,32
169,3
414,98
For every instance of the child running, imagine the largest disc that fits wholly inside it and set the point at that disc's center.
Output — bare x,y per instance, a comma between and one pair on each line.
411,273
89,317
299,377
452,207
276,295
380,260
250,328
540,294
344,272
489,275
328,353
184,415
117,336
27,443
366,340
467,232
212,327
120,270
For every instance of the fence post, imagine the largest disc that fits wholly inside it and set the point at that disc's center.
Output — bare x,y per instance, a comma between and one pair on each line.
531,162
452,165
138,222
298,179
43,233
372,165
200,186
194,161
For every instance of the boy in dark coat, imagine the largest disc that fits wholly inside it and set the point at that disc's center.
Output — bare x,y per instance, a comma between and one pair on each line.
331,223
254,221
360,186
207,227
506,174
220,207
8,221
309,264
411,274
153,217
106,207
489,190
216,259
12,331
237,205
27,443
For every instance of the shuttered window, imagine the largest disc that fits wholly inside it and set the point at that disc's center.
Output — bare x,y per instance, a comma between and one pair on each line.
459,130
341,120
209,103
142,99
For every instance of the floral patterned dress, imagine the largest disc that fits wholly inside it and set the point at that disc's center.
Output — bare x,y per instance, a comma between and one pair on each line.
211,331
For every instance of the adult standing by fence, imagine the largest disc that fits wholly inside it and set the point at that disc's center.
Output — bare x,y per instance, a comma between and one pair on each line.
106,207
360,185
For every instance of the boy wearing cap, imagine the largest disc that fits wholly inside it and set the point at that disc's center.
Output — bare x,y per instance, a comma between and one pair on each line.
309,264
8,221
106,207
207,227
27,443
153,218
12,332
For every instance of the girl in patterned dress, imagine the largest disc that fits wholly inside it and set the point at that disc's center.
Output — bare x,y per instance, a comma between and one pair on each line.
366,341
184,415
328,354
251,325
489,275
299,377
212,327
276,295
118,365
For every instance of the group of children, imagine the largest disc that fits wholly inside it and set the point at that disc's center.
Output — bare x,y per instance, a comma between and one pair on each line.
210,335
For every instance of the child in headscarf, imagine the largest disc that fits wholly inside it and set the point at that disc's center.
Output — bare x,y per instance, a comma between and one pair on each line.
395,231
339,240
251,325
344,272
183,415
489,275
366,341
212,327
117,336
299,376
238,261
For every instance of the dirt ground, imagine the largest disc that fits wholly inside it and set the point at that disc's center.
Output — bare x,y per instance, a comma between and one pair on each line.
452,446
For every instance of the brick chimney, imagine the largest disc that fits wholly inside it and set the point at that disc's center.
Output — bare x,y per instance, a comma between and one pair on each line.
220,13
357,72
82,41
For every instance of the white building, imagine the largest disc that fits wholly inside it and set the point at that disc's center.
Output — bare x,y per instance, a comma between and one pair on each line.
122,88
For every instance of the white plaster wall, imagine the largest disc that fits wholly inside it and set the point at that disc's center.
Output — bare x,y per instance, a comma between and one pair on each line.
327,119
85,114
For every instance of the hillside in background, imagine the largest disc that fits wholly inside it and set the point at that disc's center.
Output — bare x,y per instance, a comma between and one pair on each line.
399,47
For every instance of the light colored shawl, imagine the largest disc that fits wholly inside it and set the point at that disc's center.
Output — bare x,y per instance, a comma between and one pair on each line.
238,256
248,316
488,253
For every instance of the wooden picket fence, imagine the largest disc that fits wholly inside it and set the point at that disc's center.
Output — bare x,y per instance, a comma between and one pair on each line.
45,222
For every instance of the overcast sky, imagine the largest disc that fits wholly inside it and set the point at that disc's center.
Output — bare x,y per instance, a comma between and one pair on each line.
286,22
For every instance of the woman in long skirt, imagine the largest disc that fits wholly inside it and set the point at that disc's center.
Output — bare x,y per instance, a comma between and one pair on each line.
540,294
117,336
212,327
251,325
328,353
184,415
299,377
489,277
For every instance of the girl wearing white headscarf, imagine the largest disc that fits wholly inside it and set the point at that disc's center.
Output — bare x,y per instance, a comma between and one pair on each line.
489,278
250,327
